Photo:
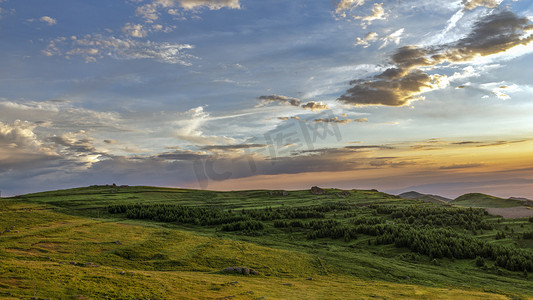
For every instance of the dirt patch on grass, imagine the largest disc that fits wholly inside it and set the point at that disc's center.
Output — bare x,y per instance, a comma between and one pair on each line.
511,212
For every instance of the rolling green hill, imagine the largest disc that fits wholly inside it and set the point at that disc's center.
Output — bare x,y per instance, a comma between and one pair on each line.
424,197
482,200
158,243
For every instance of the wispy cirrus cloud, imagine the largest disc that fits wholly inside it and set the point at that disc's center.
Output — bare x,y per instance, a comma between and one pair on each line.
190,129
97,46
461,166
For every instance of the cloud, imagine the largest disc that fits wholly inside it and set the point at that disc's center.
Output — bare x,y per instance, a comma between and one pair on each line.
472,4
500,89
190,129
500,143
289,118
110,141
369,38
60,114
407,80
141,31
93,47
345,6
346,9
394,37
232,147
48,20
186,155
332,120
314,106
18,135
461,166
340,121
71,143
360,147
377,13
151,11
466,143
279,99
211,4
20,147
393,90
134,30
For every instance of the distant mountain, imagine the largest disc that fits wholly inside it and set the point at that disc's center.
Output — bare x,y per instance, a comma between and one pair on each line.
483,200
424,197
525,201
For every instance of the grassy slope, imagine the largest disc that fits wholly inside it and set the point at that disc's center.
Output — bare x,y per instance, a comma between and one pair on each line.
482,200
184,261
425,197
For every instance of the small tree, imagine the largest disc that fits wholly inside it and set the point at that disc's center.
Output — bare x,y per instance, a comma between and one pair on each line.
480,262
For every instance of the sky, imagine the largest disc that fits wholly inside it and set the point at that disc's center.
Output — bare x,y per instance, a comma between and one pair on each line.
433,96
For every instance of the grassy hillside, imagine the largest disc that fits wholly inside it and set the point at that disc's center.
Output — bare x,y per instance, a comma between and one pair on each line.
424,197
75,243
482,200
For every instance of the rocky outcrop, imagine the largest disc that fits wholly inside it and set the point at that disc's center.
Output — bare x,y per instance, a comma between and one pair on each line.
315,190
241,270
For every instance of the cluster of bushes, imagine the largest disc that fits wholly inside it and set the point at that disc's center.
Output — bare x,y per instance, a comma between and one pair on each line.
424,230
435,242
243,226
177,213
527,235
440,242
467,218
303,212
248,220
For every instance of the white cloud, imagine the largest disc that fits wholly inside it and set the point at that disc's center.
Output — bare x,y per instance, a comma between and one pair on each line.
211,4
377,13
93,47
394,37
501,89
345,9
50,21
345,6
151,11
365,42
134,30
472,4
19,134
190,129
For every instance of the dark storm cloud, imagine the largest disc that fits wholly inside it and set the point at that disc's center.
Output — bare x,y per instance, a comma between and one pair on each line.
279,99
466,143
184,155
332,120
500,143
80,146
404,82
314,106
233,147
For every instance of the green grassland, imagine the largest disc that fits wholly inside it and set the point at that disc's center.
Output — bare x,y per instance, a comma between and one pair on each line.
79,244
485,201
